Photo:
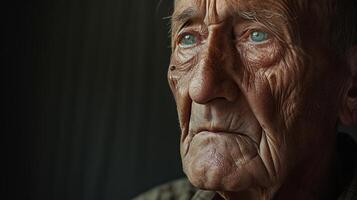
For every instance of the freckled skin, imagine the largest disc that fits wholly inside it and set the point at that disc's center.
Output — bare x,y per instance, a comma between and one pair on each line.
257,119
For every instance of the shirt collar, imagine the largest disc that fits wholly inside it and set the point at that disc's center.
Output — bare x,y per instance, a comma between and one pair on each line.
204,195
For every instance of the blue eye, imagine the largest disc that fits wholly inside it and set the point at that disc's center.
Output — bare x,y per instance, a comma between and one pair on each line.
258,36
188,40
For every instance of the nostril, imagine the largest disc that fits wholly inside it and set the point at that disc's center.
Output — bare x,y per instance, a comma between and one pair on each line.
230,92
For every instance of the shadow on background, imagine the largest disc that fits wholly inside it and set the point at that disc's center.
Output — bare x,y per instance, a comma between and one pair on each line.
93,117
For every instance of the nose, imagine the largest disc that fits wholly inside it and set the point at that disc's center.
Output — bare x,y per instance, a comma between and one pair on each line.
212,78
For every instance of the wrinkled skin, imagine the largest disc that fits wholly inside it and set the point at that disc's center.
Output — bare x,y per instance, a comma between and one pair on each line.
258,119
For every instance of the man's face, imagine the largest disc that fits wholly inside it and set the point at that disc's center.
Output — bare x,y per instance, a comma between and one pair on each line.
254,104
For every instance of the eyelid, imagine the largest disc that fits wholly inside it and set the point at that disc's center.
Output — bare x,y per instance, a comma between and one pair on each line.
245,35
184,25
195,31
246,26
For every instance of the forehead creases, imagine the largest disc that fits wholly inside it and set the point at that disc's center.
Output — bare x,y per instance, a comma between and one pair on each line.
273,16
210,11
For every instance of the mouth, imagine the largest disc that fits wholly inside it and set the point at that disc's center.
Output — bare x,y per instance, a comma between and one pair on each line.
207,142
217,131
207,132
222,132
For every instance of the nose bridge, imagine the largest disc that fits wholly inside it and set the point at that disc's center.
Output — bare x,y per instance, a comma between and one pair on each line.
210,78
216,49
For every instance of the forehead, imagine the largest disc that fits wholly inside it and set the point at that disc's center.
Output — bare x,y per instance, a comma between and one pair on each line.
278,16
224,8
273,12
235,3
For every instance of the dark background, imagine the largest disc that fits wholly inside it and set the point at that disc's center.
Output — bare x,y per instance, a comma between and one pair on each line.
89,113
92,114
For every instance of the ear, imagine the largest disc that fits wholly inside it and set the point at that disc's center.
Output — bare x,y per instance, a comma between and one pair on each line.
348,114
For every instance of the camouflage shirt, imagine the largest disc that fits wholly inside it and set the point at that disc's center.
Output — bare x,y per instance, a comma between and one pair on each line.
182,190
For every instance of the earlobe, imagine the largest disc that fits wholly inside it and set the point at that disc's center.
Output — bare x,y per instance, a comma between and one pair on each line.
348,115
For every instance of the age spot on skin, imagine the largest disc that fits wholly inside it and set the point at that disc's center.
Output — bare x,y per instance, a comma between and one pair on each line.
172,68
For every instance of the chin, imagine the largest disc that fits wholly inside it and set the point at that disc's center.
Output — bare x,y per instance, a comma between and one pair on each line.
211,168
210,175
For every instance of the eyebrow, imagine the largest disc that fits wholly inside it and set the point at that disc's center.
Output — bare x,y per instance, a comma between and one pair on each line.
181,18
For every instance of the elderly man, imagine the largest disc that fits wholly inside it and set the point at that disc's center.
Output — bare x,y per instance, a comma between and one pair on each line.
260,87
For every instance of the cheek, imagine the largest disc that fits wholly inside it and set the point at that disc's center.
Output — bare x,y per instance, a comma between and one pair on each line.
273,94
259,56
179,74
184,59
180,92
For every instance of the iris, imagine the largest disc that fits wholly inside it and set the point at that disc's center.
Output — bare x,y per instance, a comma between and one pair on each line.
188,40
258,36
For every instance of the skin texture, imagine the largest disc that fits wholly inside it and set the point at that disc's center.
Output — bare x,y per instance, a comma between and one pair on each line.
258,119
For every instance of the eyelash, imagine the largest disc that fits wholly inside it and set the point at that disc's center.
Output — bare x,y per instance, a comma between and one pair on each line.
245,36
249,31
183,34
